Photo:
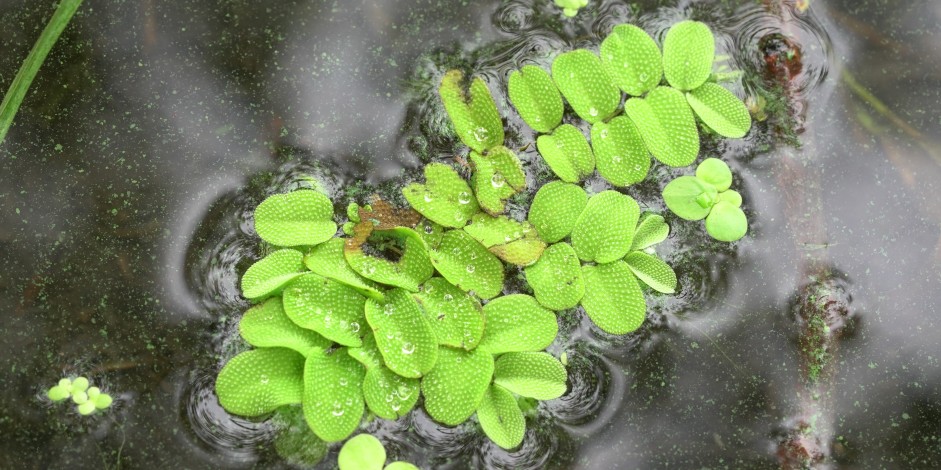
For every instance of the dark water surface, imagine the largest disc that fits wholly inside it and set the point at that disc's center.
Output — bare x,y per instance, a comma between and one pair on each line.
128,179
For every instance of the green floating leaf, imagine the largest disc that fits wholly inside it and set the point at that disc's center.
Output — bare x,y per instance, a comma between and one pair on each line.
389,395
652,271
730,196
536,98
613,299
605,229
368,354
620,153
726,222
302,217
333,394
556,278
517,323
413,267
86,408
498,175
556,208
103,401
260,380
455,387
689,197
431,233
269,274
80,384
721,110
652,229
715,172
501,418
473,113
362,452
456,318
667,125
512,241
403,334
328,261
585,84
445,198
632,59
267,325
58,393
332,309
531,374
567,153
468,265
688,52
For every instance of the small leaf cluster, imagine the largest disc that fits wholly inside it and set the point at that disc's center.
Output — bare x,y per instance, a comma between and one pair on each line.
707,196
665,91
86,398
365,452
570,7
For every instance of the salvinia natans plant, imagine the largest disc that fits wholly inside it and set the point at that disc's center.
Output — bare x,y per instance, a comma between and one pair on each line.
409,305
86,398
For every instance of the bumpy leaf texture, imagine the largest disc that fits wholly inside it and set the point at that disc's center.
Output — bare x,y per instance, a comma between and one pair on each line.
269,274
567,153
501,418
445,198
688,51
620,152
332,309
667,125
498,175
455,317
267,325
473,113
605,229
531,374
333,394
556,278
652,271
536,98
403,334
632,59
613,299
585,84
302,217
454,388
468,265
517,323
719,109
259,381
555,209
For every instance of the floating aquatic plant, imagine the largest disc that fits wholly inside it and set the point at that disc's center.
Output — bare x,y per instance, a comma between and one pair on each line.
707,196
365,452
408,306
87,399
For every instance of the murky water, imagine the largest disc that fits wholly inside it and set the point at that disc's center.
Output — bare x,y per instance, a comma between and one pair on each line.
128,180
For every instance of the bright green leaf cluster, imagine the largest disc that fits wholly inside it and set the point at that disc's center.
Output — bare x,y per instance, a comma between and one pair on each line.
87,399
707,196
365,452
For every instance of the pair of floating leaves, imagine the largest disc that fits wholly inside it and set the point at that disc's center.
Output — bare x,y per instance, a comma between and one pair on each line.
498,175
302,217
514,242
328,260
473,112
706,195
536,98
585,84
365,452
567,153
445,198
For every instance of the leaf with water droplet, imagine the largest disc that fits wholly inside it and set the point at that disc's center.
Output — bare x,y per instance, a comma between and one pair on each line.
468,265
267,325
585,85
297,218
726,222
362,452
445,198
512,241
652,271
388,394
368,354
556,278
688,52
269,274
403,334
556,208
620,153
721,110
333,411
328,261
260,380
412,268
567,153
473,113
632,59
531,374
501,418
536,98
652,229
455,387
715,172
666,123
605,229
498,175
332,309
690,197
455,317
613,299
516,323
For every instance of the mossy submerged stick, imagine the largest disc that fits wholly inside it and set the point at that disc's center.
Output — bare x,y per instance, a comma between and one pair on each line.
24,78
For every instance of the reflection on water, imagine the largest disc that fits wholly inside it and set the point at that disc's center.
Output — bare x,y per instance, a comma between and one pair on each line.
129,178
